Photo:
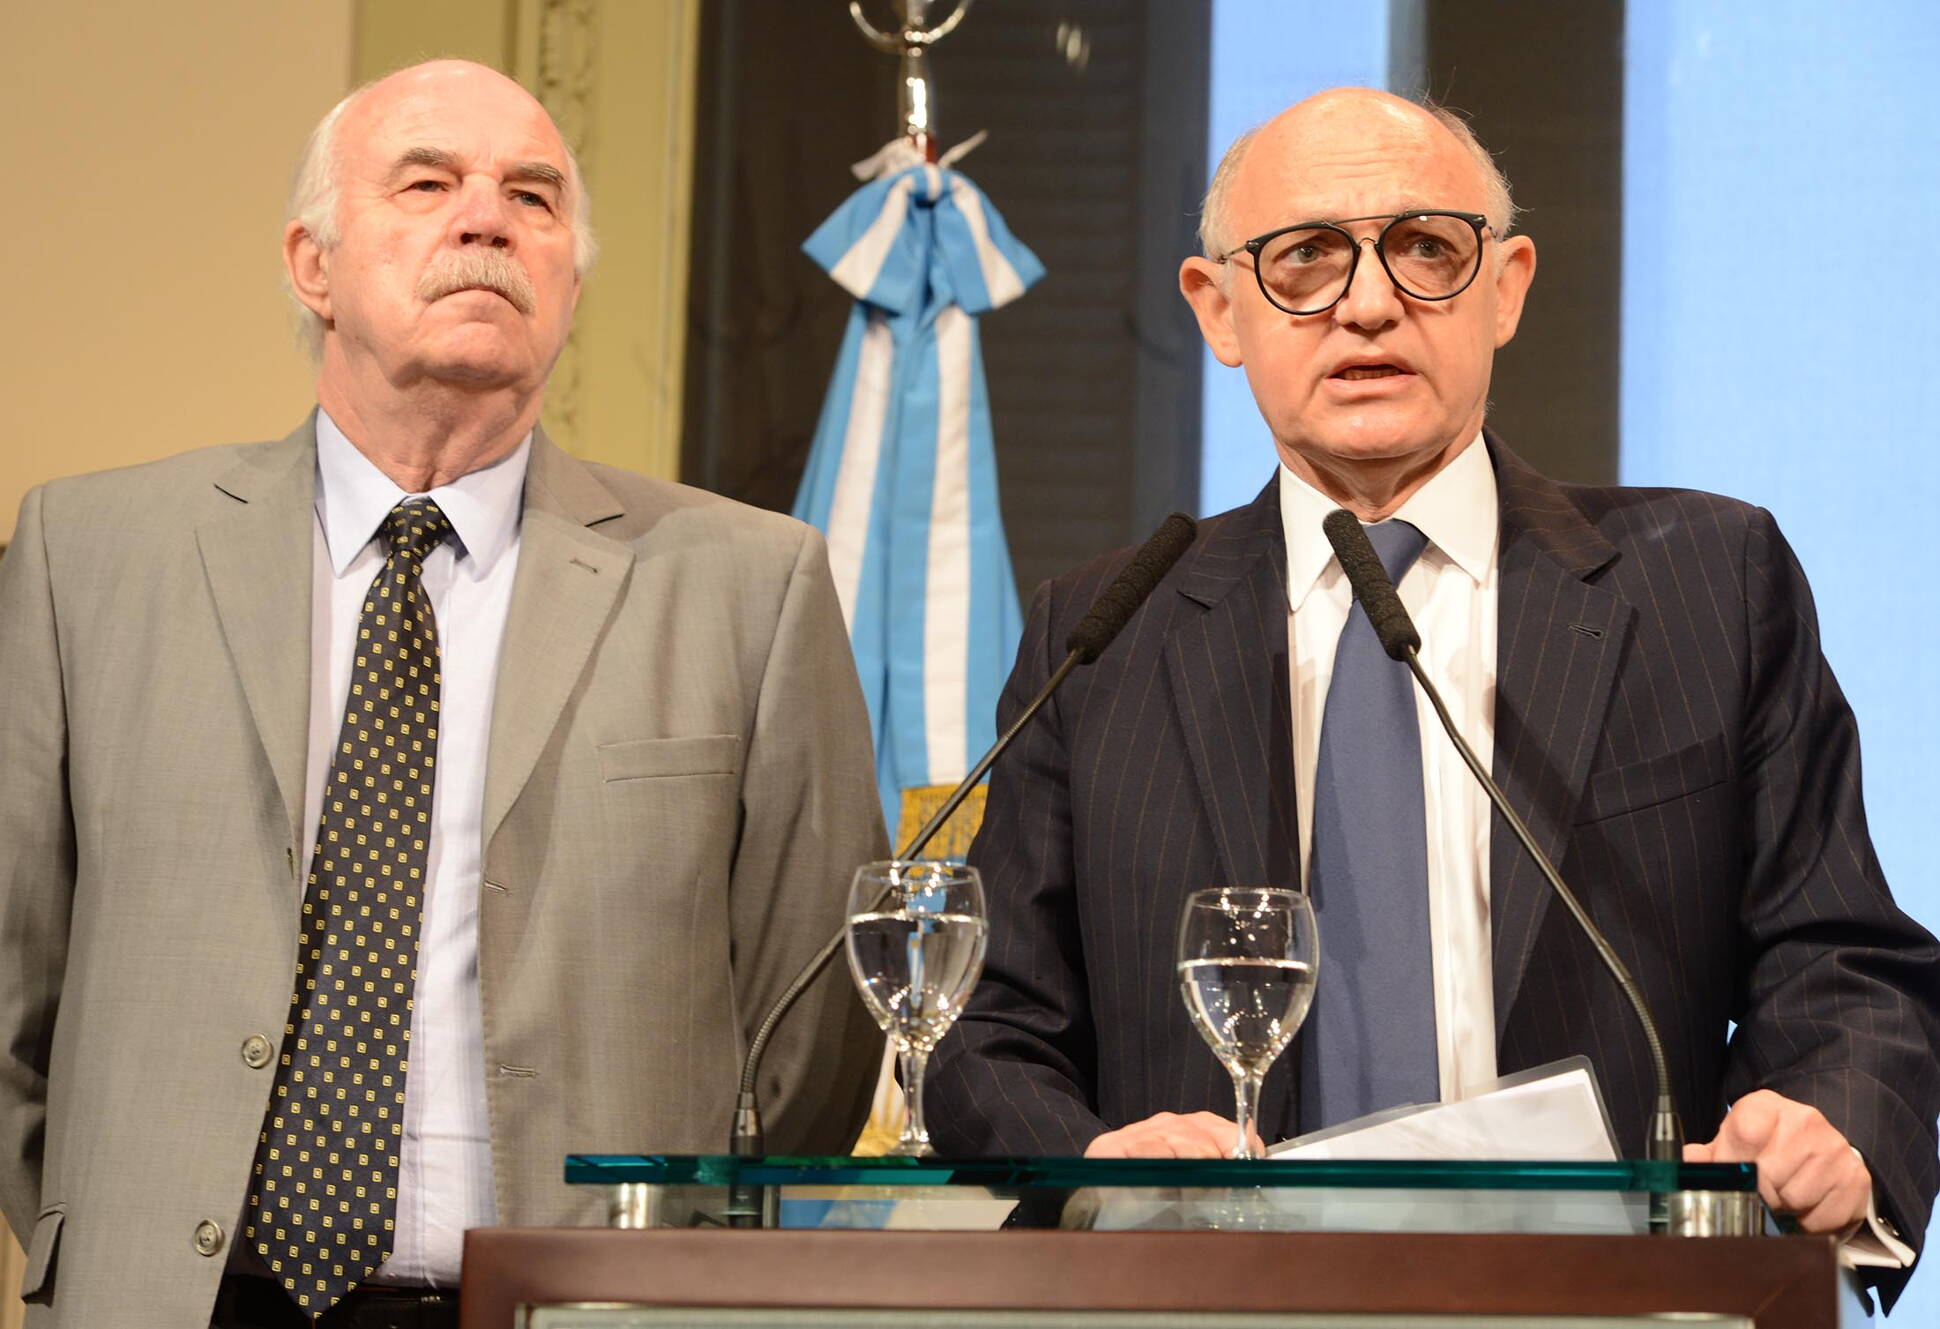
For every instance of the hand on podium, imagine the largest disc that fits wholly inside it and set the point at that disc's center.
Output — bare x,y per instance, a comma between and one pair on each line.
1170,1135
1806,1166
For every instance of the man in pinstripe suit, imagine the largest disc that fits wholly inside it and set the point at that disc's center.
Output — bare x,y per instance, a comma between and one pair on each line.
1645,664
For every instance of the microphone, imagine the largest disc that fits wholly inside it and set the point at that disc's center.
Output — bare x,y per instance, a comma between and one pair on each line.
1372,587
1113,609
1106,618
1396,633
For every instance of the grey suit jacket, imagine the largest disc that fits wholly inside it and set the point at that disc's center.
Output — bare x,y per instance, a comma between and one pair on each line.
678,788
1664,721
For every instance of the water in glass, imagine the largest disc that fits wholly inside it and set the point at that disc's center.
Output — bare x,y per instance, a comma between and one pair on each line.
1247,1008
1246,960
916,938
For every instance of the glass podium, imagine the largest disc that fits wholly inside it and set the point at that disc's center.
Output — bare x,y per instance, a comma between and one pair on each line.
940,1194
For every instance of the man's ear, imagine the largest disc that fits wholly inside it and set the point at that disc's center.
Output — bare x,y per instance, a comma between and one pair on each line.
303,263
1203,283
1512,278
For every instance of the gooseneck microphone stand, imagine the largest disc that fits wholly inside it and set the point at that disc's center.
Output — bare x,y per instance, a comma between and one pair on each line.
1107,616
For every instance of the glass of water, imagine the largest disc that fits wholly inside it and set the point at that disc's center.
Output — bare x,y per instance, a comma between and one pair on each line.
1246,972
916,939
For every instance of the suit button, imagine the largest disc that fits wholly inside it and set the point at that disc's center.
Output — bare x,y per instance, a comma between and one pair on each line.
256,1052
208,1237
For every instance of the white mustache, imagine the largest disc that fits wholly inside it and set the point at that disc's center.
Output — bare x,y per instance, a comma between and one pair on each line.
478,269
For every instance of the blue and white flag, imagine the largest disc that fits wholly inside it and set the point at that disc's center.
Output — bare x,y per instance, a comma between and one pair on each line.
902,478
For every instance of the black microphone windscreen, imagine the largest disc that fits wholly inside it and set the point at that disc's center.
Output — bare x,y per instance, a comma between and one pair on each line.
1372,585
1113,609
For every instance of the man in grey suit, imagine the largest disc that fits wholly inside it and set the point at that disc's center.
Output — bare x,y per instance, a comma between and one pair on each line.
1644,665
405,734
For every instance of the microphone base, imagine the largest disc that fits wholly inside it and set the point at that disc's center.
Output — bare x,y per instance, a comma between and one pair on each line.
751,1207
748,1206
1665,1142
1677,1213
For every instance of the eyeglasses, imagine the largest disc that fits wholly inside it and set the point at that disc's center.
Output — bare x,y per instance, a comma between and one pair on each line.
1307,268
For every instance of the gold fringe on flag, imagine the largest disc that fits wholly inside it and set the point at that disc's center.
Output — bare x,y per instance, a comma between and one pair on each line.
887,1111
953,840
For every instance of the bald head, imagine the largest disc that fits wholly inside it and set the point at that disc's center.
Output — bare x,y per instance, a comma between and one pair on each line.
316,189
1350,119
1368,395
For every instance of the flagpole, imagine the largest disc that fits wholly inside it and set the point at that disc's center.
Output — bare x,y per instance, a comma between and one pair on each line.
916,97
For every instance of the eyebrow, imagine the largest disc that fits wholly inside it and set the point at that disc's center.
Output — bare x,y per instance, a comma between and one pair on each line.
439,159
543,172
435,158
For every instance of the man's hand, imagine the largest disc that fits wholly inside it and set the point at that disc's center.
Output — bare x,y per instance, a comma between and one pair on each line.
1805,1166
1169,1135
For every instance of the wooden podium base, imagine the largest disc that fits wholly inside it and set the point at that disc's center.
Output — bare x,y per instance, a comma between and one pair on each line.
1774,1282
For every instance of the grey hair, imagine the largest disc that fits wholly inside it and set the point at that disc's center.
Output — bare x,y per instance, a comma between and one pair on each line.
1215,227
316,190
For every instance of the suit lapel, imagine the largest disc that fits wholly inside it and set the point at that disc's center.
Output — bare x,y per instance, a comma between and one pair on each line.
1227,664
1226,660
568,580
256,555
1559,639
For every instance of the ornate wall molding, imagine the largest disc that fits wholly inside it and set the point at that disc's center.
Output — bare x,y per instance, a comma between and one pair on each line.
566,81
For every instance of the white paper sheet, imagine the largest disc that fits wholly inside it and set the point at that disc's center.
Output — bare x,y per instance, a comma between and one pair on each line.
1551,1114
1554,1114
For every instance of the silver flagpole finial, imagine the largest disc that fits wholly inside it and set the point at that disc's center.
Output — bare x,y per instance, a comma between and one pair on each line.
912,41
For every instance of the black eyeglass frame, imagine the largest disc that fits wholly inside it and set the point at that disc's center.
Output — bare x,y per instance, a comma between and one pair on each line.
1476,221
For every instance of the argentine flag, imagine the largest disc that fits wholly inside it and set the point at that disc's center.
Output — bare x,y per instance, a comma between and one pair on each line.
902,479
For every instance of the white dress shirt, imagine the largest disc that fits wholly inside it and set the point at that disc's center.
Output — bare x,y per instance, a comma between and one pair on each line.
1451,593
445,1161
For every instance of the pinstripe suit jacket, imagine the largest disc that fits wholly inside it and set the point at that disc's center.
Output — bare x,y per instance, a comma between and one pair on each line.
1664,720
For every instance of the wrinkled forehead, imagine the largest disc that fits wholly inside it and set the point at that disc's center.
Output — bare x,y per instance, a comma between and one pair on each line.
479,121
1353,161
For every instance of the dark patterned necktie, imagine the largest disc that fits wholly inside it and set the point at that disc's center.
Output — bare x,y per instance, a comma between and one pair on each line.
1374,1008
323,1200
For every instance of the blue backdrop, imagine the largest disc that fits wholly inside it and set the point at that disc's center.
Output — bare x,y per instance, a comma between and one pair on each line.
1257,70
1778,341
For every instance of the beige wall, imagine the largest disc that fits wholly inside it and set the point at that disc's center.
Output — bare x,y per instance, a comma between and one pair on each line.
154,141
149,145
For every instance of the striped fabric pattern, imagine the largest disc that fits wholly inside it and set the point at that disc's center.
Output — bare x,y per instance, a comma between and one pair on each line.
1665,722
902,476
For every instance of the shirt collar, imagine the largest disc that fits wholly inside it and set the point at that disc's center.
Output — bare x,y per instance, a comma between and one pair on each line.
1456,510
353,497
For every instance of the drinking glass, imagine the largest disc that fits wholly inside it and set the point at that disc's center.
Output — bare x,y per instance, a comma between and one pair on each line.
916,937
1246,972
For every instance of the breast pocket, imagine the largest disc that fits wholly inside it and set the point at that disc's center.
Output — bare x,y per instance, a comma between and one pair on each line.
1637,785
662,758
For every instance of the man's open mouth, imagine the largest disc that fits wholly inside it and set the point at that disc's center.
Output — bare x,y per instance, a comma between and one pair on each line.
1354,373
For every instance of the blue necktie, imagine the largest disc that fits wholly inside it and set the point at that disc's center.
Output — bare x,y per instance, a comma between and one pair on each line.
1373,1016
